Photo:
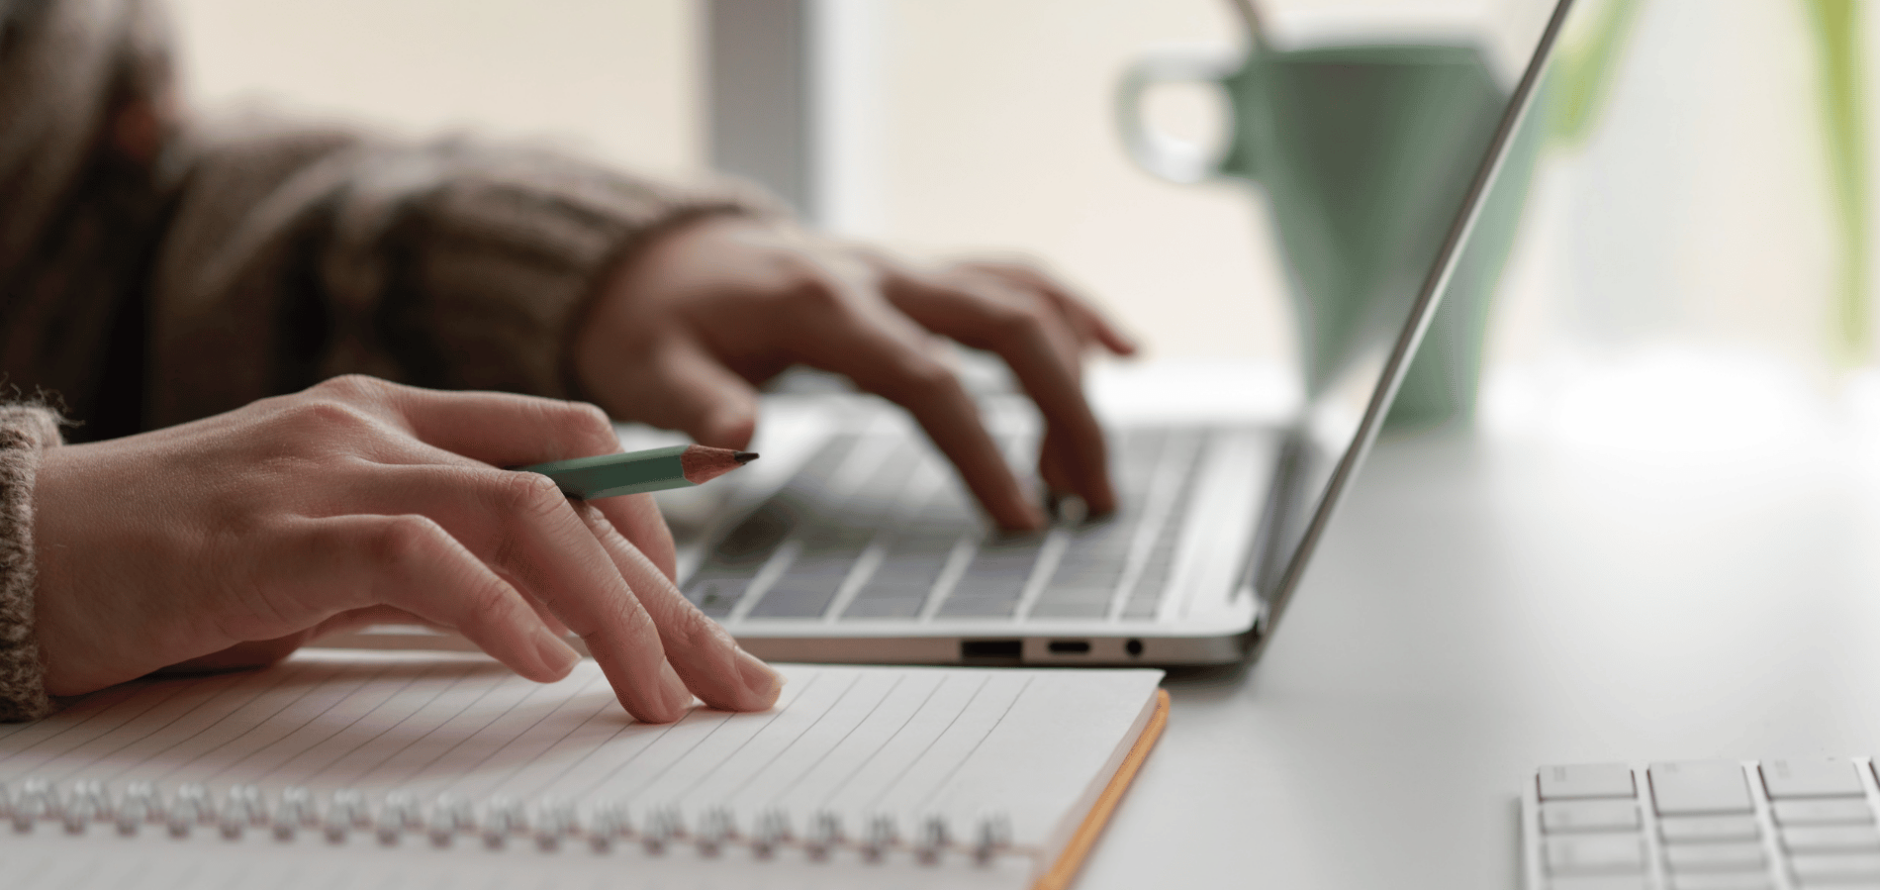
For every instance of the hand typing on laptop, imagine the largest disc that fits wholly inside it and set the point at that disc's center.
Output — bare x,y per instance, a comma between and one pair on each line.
231,541
683,328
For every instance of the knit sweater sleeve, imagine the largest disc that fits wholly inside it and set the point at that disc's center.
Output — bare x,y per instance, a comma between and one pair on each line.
25,432
298,254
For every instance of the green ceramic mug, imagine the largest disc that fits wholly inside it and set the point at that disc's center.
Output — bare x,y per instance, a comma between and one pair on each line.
1364,153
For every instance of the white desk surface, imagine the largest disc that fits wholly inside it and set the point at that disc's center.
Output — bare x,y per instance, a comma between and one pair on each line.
1486,604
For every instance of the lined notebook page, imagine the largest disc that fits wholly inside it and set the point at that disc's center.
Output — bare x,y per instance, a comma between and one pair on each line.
1036,745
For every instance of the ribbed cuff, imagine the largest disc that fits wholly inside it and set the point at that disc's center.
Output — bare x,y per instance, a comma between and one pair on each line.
25,432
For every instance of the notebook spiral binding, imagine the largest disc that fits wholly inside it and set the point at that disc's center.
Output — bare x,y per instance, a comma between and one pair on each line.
494,823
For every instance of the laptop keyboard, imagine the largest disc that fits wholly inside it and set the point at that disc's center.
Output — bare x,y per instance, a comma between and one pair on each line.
879,529
1703,825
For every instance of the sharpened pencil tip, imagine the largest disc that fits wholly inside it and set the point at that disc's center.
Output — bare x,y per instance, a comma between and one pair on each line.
744,457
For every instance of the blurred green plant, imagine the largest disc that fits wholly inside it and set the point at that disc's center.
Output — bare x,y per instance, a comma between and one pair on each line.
1835,29
1582,73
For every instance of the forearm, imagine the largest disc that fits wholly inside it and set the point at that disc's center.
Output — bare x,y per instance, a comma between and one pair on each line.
300,255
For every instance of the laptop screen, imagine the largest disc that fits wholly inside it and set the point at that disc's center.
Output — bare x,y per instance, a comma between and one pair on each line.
1393,340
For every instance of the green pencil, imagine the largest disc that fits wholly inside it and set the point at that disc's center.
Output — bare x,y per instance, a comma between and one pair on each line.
654,469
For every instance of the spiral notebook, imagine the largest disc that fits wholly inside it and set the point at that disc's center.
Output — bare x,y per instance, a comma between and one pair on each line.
405,770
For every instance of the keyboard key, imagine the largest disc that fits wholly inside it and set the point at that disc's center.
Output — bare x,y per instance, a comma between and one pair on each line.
1586,780
1830,838
1727,880
995,579
1597,882
1706,829
1588,815
1714,857
1810,777
1595,853
1825,868
1699,786
1822,812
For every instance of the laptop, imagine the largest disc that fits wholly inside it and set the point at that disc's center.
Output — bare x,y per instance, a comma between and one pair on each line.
860,545
853,541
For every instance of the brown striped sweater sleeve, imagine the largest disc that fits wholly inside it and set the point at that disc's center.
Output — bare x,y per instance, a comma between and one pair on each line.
297,254
25,431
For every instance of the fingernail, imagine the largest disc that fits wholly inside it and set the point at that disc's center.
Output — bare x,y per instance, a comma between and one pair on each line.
760,680
556,654
678,698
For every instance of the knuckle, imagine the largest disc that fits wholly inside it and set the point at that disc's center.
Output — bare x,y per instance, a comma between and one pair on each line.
686,628
633,619
925,378
528,495
353,385
328,417
487,598
807,287
399,543
588,426
1016,321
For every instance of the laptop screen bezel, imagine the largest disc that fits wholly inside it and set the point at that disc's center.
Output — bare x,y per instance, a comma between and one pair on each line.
1423,309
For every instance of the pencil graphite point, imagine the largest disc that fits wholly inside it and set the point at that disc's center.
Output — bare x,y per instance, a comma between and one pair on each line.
703,463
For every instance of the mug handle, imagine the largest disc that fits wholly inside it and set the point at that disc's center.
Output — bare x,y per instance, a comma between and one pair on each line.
1162,155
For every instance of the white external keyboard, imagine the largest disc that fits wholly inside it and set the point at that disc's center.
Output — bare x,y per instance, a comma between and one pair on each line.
1702,825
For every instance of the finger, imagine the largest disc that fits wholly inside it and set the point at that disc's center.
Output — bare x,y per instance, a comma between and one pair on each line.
1086,319
1034,342
886,354
523,528
499,429
684,387
637,517
1053,464
410,563
504,430
713,666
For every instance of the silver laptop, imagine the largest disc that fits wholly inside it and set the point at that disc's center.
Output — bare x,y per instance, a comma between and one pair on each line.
852,541
858,544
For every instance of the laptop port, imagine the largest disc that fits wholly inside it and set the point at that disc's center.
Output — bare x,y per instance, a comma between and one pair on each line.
1069,647
991,650
1134,648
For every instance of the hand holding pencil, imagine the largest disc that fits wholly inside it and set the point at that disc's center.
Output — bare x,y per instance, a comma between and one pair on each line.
233,540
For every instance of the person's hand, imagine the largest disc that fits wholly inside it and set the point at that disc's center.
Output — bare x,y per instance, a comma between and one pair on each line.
232,540
684,327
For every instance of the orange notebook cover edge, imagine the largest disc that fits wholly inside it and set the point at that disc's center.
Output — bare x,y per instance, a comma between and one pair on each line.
1072,859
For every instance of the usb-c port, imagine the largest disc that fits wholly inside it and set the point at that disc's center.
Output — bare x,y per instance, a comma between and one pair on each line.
1069,647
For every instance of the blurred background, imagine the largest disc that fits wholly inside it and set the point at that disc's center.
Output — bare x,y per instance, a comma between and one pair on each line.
1698,256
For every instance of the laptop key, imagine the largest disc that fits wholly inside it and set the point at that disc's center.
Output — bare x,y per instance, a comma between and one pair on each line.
1597,882
1729,880
1585,780
1705,829
1714,857
1588,815
1830,838
1842,811
994,580
1595,853
1827,868
1786,777
1699,786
